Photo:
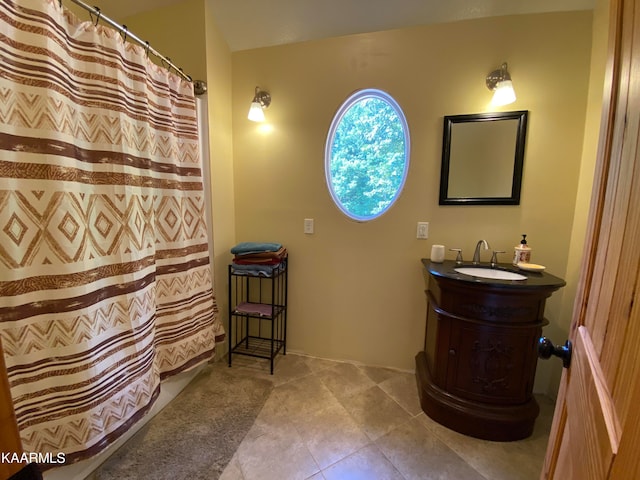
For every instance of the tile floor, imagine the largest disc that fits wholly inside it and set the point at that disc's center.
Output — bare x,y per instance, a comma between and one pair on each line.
331,420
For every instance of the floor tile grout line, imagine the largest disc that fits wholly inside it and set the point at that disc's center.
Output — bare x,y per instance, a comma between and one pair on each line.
457,450
350,416
411,414
454,450
306,446
371,441
368,444
339,402
389,460
411,417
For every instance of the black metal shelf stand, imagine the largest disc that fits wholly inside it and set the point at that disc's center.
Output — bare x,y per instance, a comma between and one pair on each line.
258,313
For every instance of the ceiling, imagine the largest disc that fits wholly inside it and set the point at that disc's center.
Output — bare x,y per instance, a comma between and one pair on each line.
247,24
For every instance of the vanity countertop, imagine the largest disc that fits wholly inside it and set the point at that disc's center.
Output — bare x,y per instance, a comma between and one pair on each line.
534,280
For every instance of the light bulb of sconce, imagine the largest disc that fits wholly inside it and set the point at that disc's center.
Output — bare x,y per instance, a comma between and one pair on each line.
256,114
504,93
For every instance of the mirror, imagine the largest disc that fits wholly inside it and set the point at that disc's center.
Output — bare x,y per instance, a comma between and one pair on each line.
482,157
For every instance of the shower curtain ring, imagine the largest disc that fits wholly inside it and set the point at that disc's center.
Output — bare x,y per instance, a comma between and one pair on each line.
147,47
123,31
98,15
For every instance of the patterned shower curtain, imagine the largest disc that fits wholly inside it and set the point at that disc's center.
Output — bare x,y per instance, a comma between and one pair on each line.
105,282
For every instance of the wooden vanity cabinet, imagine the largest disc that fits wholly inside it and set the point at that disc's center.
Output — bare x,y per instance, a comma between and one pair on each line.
476,372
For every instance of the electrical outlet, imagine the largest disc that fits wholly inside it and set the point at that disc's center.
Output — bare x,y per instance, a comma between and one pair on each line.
308,226
423,230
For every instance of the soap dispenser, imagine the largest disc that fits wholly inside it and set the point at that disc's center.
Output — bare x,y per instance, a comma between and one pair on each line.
522,252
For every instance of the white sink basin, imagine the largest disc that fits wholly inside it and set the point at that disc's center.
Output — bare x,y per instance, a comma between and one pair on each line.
491,273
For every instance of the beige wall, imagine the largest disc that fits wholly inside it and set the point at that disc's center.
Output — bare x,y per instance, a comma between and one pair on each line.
176,31
560,330
219,77
356,289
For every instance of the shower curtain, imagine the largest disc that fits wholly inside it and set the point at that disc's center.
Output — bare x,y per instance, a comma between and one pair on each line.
105,282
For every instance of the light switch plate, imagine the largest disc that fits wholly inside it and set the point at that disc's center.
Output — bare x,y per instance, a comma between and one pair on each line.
308,226
423,230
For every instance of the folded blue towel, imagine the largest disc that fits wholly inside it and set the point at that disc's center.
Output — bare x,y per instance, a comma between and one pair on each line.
260,270
255,247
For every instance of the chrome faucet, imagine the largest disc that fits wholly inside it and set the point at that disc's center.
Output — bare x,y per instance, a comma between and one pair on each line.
476,254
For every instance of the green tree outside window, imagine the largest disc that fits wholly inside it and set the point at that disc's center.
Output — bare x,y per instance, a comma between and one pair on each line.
367,154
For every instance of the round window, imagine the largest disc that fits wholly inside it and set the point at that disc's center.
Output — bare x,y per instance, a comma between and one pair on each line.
367,154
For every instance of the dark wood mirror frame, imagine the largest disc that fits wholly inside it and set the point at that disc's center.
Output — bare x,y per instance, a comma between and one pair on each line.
518,144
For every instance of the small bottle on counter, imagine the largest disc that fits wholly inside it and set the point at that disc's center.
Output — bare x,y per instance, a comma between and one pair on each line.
522,252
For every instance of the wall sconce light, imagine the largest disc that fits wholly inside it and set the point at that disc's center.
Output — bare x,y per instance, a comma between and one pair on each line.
261,100
500,82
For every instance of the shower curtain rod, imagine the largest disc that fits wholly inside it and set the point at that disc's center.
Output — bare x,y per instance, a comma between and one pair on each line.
127,34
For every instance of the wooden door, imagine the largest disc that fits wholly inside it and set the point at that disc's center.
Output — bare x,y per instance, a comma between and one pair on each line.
596,428
9,437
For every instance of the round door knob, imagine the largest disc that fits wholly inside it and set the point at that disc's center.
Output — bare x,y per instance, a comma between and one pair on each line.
546,349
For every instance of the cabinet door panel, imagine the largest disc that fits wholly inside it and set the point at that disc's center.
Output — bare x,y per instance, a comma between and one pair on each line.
492,364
